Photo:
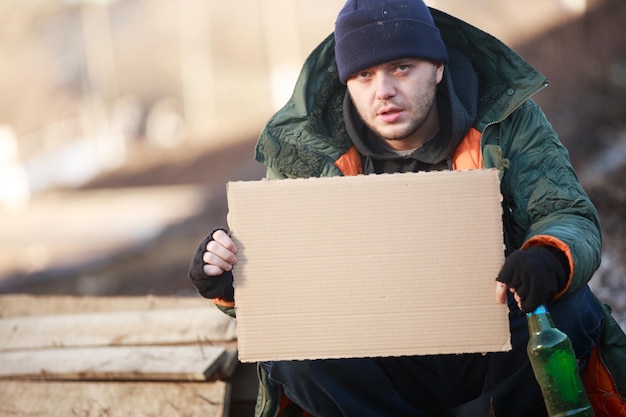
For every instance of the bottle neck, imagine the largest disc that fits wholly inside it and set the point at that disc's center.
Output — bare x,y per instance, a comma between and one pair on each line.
539,320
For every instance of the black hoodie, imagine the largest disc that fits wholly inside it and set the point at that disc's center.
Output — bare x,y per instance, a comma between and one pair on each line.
457,97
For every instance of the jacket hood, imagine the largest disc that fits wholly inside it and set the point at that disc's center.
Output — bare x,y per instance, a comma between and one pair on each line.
505,79
308,134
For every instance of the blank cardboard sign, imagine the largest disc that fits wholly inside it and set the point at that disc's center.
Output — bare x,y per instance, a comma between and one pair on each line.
368,266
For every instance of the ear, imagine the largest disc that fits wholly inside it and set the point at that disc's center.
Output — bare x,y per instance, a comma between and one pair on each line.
439,67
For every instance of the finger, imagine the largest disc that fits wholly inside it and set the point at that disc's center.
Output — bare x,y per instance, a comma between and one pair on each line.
213,259
501,290
222,252
519,300
223,239
212,270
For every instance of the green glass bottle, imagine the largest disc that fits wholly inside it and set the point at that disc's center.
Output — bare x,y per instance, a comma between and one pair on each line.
555,367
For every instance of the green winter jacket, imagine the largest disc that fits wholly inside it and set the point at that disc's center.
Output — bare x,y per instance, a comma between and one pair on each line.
543,200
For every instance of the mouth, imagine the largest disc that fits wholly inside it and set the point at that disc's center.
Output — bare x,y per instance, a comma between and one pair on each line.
389,114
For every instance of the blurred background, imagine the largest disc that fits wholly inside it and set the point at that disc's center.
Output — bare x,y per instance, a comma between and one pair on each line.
122,120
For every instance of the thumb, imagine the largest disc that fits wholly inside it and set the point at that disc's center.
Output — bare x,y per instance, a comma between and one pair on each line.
501,292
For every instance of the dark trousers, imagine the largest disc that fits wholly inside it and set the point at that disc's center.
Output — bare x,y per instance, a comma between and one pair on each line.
500,384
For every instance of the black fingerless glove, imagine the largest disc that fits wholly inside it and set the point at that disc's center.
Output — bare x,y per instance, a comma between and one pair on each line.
210,287
537,273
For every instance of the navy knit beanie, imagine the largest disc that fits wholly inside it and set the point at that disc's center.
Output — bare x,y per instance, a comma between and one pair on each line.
370,32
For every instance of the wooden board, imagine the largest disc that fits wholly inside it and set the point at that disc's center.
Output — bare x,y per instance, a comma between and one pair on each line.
12,305
147,363
108,344
147,399
163,326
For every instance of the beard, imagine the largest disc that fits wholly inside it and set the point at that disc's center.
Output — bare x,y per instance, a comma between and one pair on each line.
426,107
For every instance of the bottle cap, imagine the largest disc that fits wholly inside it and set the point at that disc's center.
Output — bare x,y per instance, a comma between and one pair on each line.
539,310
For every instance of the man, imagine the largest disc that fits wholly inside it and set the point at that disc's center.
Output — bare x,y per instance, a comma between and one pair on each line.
394,90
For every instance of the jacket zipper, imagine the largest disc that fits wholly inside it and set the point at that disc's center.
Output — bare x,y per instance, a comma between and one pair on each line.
500,120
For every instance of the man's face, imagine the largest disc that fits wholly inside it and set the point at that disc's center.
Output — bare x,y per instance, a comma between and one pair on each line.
396,100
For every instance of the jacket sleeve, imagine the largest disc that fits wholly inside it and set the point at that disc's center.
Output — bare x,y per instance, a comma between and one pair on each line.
273,174
548,205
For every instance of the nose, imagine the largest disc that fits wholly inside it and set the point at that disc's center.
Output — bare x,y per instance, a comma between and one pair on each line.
385,88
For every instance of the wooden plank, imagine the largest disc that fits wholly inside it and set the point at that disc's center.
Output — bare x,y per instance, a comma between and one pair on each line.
163,326
147,363
147,399
12,305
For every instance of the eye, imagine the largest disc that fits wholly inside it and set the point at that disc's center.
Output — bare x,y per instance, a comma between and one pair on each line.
402,67
362,76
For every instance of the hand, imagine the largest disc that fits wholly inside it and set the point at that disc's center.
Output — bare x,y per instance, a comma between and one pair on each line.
220,255
502,289
211,267
534,275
